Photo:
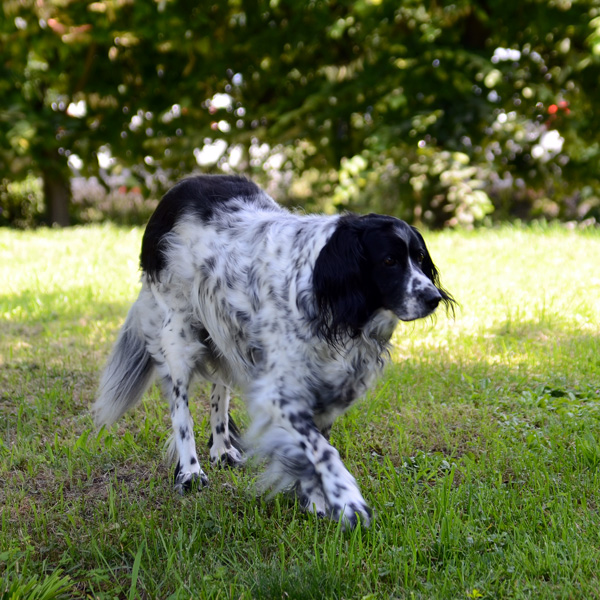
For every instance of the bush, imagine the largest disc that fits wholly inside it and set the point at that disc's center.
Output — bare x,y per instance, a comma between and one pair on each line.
21,203
92,202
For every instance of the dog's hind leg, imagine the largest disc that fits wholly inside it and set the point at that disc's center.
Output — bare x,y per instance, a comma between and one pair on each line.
188,472
175,352
225,444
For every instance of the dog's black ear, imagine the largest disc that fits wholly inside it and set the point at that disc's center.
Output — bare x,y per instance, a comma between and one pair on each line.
427,266
342,284
431,271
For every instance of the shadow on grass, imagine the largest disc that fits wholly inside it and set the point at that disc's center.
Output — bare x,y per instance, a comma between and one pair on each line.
528,350
451,399
298,583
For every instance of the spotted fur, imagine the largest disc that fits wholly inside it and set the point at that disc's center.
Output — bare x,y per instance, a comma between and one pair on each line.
296,311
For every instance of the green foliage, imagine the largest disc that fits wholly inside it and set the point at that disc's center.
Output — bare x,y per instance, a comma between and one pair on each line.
400,88
21,202
442,187
53,587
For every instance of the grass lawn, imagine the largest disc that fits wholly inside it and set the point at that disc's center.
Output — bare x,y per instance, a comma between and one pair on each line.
479,450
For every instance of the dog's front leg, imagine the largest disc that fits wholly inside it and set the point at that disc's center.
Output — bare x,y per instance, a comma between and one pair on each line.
343,496
298,456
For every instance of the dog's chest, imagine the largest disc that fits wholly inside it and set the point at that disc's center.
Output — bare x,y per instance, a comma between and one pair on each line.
339,382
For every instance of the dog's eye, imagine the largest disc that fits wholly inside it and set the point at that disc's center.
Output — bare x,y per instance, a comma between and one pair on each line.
390,261
420,258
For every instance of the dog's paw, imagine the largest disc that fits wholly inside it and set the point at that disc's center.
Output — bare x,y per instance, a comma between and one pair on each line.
226,457
227,450
311,499
346,503
186,481
351,514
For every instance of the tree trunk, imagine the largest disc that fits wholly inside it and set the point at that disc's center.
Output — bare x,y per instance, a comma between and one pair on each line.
57,197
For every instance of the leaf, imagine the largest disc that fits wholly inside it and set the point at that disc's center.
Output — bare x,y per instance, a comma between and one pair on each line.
135,571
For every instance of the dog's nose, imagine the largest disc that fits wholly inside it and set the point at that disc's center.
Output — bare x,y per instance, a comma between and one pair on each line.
432,299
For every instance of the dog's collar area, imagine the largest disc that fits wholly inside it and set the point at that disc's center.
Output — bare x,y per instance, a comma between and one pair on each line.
381,326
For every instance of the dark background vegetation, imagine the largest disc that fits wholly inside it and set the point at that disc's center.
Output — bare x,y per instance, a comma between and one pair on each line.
442,113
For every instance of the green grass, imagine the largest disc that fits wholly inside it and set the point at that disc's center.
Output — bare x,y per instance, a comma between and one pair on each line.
479,450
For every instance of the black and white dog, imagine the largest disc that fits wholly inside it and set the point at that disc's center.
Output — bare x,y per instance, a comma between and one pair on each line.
296,311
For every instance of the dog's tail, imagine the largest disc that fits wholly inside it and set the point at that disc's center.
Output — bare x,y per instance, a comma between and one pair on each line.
127,375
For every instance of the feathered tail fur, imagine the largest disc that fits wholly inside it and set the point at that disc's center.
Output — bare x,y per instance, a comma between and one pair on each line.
127,375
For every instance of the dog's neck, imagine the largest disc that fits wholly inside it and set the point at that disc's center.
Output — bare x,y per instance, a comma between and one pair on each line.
380,326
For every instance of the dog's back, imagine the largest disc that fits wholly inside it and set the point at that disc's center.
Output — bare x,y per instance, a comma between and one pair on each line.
197,197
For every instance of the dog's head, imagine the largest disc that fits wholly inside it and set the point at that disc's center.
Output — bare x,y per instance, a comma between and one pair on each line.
374,262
